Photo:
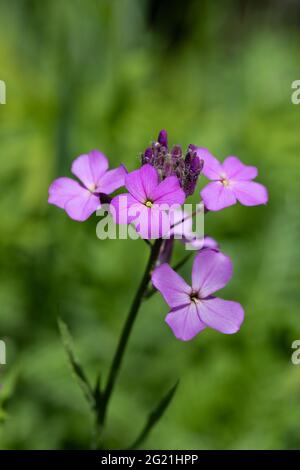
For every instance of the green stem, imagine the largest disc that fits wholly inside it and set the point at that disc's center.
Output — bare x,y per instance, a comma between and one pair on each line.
119,354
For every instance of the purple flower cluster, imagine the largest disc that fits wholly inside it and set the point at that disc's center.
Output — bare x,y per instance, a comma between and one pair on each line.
163,182
186,168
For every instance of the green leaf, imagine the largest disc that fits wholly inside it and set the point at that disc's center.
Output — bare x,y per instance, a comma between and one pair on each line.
7,389
97,391
155,416
75,364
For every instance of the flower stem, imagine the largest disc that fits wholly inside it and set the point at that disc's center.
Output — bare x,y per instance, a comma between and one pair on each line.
119,354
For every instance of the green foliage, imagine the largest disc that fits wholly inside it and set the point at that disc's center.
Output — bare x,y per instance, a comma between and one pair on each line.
76,367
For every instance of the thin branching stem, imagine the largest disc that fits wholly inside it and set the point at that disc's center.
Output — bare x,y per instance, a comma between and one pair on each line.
119,354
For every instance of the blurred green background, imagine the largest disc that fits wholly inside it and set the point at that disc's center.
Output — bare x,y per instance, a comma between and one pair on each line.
84,74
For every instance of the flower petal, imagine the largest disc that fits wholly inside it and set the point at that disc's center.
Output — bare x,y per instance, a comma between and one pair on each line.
152,223
211,271
89,168
236,170
185,322
140,183
112,180
216,196
210,242
250,193
173,287
201,243
168,192
77,201
124,208
62,190
212,168
82,206
222,315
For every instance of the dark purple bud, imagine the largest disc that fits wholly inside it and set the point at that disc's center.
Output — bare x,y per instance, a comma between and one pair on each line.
188,159
196,165
176,152
147,156
180,170
148,152
163,138
189,185
159,161
168,169
192,147
193,167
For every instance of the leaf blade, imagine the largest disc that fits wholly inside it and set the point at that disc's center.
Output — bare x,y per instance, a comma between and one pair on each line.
155,415
76,367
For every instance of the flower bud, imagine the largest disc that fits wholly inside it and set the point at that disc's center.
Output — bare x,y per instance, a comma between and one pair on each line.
163,138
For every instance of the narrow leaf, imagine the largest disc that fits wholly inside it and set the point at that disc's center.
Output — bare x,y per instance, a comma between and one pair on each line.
75,364
155,416
7,389
98,392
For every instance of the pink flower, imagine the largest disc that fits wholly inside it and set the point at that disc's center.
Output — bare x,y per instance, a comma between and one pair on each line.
81,200
148,201
231,182
194,308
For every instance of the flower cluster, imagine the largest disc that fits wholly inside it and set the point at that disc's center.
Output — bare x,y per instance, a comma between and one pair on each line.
186,168
155,193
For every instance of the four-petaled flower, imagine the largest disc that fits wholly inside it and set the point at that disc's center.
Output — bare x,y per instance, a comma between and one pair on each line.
231,182
148,202
194,308
81,200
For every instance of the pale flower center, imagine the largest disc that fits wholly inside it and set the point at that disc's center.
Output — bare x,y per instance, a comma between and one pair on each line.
225,182
92,188
149,203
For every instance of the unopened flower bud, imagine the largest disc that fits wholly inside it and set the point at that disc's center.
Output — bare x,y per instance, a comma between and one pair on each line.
163,138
